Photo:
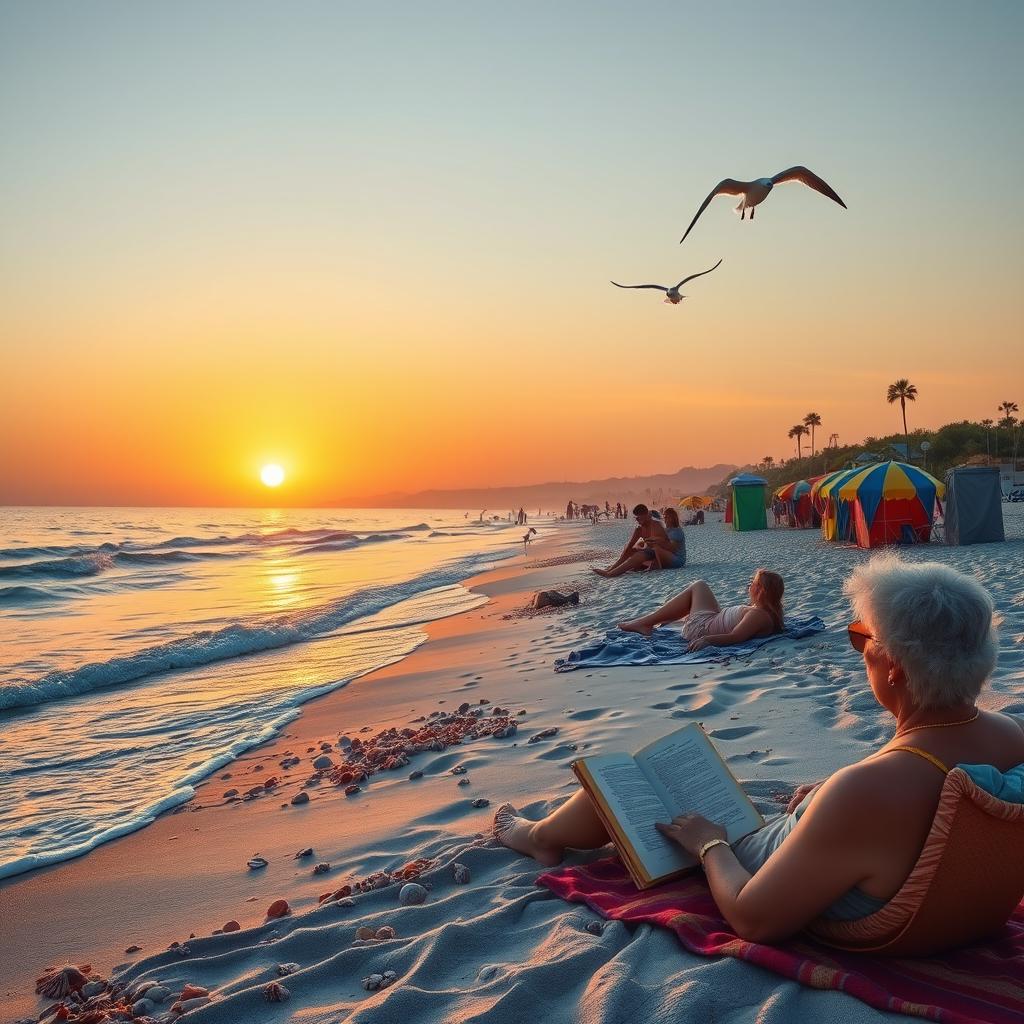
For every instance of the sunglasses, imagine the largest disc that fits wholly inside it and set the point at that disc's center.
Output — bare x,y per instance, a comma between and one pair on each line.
859,636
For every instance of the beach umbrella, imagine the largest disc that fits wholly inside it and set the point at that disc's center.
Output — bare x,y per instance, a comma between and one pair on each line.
793,491
887,481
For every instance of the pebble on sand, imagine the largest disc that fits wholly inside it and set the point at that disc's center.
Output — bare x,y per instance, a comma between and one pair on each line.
460,873
352,790
231,926
322,762
284,970
385,932
300,798
411,894
481,801
275,992
255,863
321,868
279,908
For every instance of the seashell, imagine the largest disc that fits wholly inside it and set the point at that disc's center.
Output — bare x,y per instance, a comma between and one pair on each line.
322,868
364,933
275,992
415,775
373,982
322,762
305,852
57,982
543,735
459,769
387,932
411,894
352,790
255,863
481,801
193,992
595,927
231,926
279,908
284,970
460,873
185,1005
300,798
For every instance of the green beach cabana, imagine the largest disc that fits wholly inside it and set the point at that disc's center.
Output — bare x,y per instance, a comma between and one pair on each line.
747,500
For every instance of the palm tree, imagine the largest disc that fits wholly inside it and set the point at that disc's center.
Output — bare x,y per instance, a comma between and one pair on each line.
1008,421
902,391
798,432
987,424
812,420
767,462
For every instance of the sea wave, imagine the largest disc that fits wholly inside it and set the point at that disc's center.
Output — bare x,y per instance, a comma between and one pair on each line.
232,641
59,568
23,595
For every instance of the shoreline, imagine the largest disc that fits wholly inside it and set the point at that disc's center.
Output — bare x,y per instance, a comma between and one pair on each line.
206,856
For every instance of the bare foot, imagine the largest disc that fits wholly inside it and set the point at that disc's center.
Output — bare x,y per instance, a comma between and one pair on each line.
633,626
517,834
599,572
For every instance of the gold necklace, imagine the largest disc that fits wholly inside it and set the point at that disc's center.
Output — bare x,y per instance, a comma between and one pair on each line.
938,725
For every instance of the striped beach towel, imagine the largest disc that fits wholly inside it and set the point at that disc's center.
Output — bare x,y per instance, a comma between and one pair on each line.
984,983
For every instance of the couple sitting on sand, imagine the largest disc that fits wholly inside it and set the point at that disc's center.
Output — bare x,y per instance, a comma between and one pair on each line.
652,546
846,845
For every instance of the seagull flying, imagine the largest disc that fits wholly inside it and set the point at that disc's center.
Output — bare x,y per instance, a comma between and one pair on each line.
671,294
754,192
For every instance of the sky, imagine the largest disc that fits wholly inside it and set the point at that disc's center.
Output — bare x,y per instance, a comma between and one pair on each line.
372,243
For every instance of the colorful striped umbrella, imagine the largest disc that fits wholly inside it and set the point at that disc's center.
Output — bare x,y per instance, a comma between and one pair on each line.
886,480
693,501
791,492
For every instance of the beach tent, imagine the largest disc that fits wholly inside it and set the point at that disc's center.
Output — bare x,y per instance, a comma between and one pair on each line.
974,505
890,503
797,496
692,502
747,502
835,514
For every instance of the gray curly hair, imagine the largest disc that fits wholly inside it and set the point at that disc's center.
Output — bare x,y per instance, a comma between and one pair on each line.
938,623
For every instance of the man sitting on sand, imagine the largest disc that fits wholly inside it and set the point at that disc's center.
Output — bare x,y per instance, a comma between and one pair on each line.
706,623
633,558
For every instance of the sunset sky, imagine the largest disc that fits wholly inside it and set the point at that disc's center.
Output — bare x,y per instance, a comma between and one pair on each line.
372,242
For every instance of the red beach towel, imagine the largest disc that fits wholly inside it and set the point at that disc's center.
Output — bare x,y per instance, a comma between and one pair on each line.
981,983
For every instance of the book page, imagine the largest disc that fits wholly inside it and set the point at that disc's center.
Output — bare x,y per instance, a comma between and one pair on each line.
636,806
688,775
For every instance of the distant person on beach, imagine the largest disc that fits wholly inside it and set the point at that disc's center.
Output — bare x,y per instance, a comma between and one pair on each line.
527,540
845,847
634,558
706,623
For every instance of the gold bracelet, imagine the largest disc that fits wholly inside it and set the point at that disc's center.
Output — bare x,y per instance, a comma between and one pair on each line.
703,851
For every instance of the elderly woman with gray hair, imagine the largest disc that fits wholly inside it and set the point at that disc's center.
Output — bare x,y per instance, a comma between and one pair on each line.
845,846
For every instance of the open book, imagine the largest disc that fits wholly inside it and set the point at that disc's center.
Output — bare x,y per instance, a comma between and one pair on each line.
681,773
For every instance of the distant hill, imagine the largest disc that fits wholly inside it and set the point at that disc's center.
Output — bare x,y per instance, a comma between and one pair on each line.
551,497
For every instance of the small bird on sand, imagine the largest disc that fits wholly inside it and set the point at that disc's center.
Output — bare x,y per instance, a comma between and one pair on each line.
671,294
755,192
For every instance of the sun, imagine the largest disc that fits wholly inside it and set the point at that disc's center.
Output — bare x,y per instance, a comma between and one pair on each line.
272,475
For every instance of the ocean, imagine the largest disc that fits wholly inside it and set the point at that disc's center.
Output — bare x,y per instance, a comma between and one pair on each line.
143,649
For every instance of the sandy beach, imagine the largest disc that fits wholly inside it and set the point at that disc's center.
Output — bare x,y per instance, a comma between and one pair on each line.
494,945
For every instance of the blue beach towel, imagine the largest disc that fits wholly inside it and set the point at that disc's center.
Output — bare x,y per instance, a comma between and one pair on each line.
667,647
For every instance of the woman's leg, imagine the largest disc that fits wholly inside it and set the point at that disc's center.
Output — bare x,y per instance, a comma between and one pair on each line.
574,824
697,597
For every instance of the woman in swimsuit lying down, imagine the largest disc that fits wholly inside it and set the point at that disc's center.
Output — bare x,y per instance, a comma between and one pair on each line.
845,846
705,623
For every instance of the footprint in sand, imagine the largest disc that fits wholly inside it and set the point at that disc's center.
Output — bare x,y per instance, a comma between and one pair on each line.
698,704
587,714
734,732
